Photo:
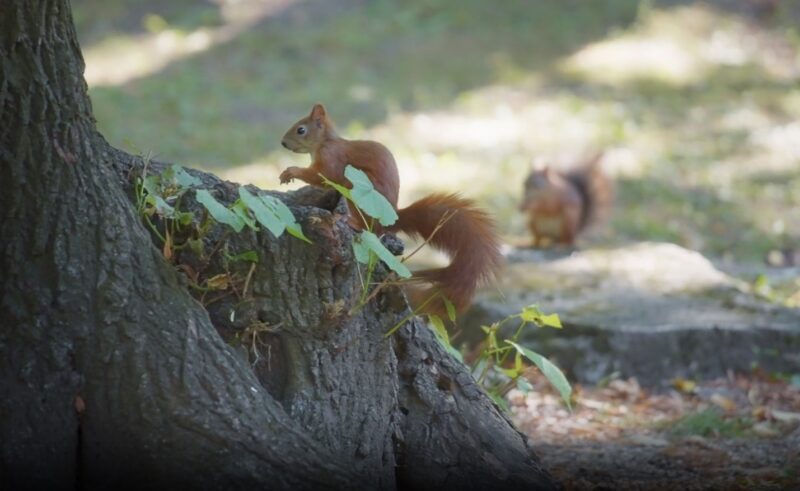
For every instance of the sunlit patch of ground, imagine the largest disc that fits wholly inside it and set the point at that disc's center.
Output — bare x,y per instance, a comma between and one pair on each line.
121,58
757,405
683,46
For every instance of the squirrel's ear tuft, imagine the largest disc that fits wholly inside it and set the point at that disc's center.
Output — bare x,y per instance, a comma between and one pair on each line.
318,112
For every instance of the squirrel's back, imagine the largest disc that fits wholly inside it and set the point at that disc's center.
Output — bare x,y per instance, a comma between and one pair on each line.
372,157
594,187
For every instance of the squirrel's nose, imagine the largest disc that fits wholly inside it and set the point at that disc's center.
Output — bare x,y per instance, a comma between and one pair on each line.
284,144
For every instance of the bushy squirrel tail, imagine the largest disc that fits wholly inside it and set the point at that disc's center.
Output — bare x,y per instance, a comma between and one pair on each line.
594,187
466,233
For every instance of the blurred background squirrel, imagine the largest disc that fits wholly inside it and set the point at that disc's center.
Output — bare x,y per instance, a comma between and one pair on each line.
561,204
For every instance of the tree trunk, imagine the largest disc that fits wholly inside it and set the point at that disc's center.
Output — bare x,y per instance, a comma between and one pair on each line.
113,375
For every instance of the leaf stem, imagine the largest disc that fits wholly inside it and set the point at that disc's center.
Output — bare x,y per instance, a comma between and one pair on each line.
409,316
154,228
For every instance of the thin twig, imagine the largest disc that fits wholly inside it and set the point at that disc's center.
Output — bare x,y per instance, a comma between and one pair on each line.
371,264
247,279
217,246
220,297
363,218
409,316
154,229
374,292
380,286
445,217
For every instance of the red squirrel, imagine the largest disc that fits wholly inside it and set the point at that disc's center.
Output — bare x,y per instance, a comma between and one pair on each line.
560,205
468,236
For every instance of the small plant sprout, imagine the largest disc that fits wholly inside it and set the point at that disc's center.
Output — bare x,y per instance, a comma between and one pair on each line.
497,372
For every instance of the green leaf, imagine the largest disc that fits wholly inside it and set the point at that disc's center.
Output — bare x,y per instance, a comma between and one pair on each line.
262,213
167,176
479,367
218,211
152,184
492,338
285,215
498,399
161,207
249,256
241,210
184,217
361,251
441,334
451,309
438,326
342,190
183,178
297,233
370,201
371,241
272,213
196,245
454,353
531,313
551,372
551,320
523,385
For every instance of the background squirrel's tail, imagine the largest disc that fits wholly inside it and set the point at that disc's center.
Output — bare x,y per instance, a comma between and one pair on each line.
467,235
595,189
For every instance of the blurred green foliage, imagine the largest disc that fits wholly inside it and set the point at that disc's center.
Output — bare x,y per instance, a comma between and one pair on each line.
710,423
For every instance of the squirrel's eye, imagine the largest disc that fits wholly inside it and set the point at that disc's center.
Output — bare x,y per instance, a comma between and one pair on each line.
301,130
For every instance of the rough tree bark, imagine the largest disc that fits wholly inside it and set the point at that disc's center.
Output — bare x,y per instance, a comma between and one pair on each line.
112,375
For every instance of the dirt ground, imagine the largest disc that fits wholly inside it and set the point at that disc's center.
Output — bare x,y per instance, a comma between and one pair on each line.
741,432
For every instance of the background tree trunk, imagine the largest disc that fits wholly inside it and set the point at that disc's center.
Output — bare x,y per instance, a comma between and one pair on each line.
112,375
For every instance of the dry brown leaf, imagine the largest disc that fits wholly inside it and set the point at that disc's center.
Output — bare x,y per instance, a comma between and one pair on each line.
684,385
723,403
760,413
167,250
218,282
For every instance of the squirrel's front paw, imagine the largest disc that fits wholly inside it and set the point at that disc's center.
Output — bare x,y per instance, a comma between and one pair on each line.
288,175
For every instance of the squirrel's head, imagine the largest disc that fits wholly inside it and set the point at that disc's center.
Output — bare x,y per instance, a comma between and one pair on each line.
305,135
539,181
541,176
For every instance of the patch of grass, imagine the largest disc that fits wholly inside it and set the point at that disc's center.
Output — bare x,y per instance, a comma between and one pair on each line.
709,423
98,19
